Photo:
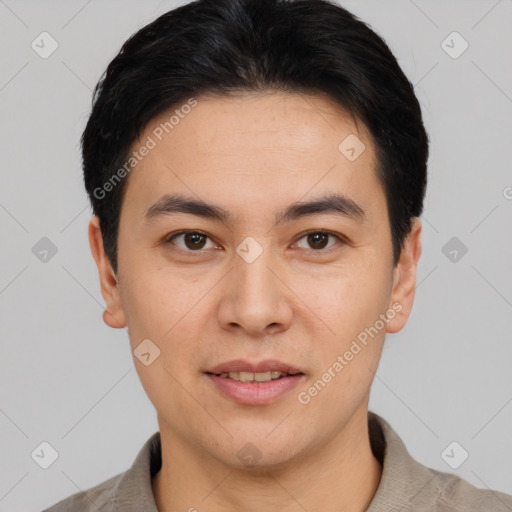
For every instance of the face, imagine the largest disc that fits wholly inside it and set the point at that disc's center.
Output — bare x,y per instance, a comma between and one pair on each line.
256,276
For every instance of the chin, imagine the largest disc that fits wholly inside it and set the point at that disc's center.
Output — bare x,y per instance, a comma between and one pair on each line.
257,453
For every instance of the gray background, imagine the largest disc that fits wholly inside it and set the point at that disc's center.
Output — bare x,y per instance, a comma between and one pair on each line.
68,379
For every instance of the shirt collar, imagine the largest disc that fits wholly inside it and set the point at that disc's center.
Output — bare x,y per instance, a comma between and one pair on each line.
404,482
134,490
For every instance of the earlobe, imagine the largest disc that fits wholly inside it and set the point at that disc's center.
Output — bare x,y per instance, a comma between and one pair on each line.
112,321
113,315
404,281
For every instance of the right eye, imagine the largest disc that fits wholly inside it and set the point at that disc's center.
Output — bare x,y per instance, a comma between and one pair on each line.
191,241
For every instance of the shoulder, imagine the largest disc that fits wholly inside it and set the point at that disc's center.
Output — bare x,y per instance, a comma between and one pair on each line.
457,494
408,485
126,492
99,497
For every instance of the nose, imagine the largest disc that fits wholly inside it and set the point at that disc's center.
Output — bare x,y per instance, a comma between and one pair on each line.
255,297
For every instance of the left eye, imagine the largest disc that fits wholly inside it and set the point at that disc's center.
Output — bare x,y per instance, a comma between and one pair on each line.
318,239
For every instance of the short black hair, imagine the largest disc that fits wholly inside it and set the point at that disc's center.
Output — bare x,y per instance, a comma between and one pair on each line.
224,47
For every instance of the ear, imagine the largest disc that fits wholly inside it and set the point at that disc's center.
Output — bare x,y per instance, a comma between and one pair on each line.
113,314
404,278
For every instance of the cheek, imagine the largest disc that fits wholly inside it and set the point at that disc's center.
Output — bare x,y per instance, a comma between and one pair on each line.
349,361
143,304
153,303
165,387
351,308
157,309
354,299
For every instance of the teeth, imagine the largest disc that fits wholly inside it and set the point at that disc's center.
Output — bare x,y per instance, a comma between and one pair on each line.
253,377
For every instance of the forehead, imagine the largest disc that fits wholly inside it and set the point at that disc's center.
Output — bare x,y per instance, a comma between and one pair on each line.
256,147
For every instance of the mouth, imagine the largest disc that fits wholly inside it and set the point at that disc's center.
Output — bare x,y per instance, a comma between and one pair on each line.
246,371
254,376
254,383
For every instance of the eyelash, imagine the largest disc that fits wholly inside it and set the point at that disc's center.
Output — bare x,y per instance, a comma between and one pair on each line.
341,240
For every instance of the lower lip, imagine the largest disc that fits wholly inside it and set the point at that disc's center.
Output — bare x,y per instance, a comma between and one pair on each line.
255,393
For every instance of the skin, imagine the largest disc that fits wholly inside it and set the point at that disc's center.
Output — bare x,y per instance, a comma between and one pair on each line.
254,155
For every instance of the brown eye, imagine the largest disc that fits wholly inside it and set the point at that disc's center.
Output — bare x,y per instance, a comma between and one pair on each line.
191,240
318,240
194,240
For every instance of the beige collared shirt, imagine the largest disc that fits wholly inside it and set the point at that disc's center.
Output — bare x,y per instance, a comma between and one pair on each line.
405,485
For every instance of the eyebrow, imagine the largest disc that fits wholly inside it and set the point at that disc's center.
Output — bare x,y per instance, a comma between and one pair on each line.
170,204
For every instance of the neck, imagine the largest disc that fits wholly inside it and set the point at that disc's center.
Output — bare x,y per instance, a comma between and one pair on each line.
341,475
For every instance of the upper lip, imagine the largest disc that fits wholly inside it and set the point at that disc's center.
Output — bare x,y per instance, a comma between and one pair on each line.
241,365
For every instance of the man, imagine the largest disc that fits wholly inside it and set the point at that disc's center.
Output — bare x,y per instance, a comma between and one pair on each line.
257,170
